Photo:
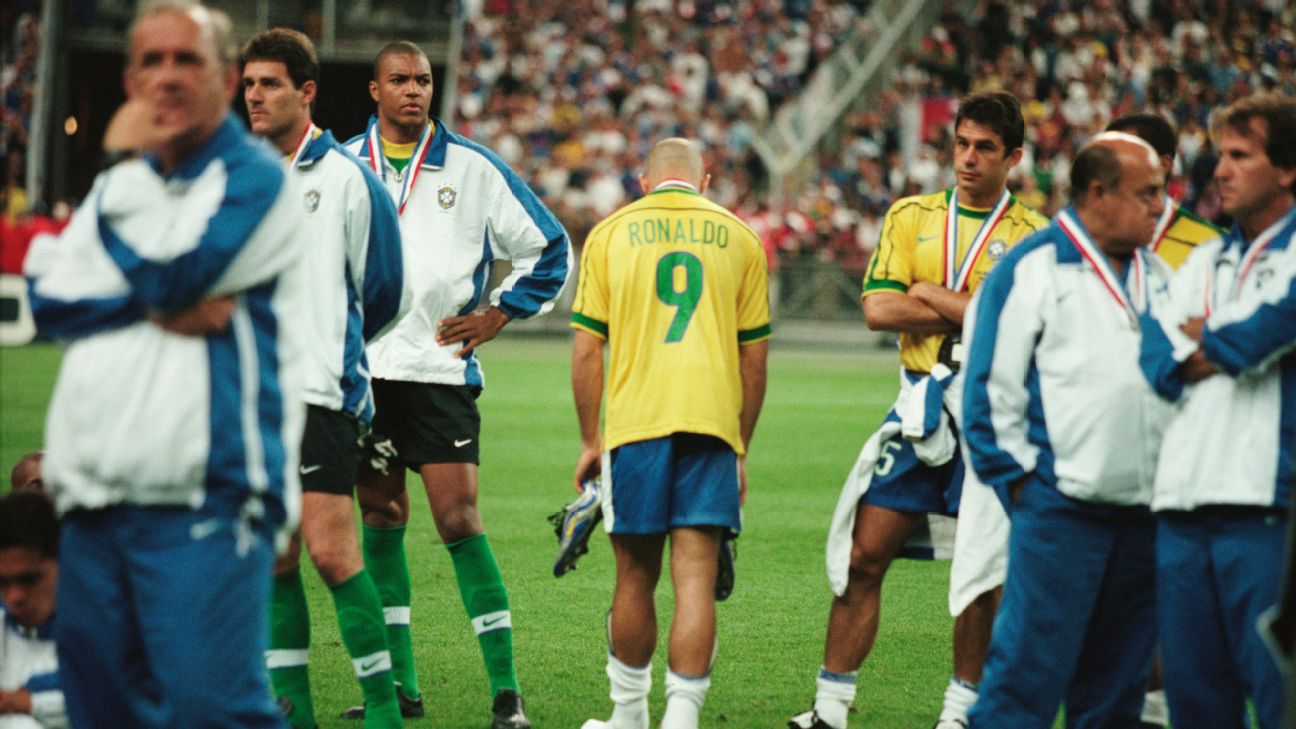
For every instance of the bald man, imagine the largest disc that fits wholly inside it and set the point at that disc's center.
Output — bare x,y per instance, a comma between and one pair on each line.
676,285
1059,420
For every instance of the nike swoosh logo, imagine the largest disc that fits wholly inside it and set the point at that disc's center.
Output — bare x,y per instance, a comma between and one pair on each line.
203,529
462,443
922,238
309,469
366,666
492,621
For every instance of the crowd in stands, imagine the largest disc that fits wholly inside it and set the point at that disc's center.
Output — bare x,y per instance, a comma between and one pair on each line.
19,223
572,92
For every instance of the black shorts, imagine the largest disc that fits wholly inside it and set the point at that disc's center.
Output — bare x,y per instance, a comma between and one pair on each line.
330,455
428,423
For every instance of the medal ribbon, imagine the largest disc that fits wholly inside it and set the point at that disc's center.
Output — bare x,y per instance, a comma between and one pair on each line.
1098,261
415,163
1163,224
1243,268
957,280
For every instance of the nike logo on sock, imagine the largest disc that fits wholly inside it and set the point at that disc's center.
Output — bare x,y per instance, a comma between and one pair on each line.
492,621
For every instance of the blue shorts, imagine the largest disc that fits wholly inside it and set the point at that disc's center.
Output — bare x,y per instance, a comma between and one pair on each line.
682,480
903,483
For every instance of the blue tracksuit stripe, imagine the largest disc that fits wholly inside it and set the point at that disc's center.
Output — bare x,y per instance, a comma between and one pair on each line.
530,292
1268,331
42,682
251,188
384,264
1287,434
270,402
65,319
355,368
226,480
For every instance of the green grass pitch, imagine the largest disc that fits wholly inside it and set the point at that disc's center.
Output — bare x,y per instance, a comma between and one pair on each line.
821,405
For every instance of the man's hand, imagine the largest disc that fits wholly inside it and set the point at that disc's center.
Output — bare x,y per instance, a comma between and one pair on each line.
138,126
209,316
15,702
589,465
1196,368
1193,328
473,329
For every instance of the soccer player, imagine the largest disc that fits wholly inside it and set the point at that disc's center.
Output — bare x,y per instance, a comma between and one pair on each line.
30,695
676,287
26,474
1059,421
935,250
1179,230
172,434
460,209
1221,349
353,261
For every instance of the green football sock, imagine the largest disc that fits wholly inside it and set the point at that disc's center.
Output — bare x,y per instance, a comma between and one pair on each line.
289,647
384,553
359,612
482,588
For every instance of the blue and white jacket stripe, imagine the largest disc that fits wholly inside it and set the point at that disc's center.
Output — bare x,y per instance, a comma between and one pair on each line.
1231,437
353,261
1052,386
467,210
146,417
28,661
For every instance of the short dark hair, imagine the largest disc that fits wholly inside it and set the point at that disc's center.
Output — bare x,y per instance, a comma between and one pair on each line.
1278,112
1094,162
1151,128
997,110
396,48
27,520
290,47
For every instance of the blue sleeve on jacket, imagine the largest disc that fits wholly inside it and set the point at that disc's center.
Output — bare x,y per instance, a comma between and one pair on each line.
65,319
1242,345
384,266
170,286
1156,359
994,466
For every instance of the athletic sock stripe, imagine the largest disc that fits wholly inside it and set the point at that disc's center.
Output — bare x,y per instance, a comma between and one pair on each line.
366,666
497,620
396,615
286,657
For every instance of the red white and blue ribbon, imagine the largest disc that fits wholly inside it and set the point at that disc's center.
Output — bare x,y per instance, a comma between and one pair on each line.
956,271
415,163
1080,238
1249,258
302,145
1163,223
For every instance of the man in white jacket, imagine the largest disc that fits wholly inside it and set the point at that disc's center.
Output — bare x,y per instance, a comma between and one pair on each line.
1059,421
172,436
1221,349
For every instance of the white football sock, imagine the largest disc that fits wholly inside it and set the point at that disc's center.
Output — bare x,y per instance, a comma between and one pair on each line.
630,687
834,693
1155,709
959,697
684,697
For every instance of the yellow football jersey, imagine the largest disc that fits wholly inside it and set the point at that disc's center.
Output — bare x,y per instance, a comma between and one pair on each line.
675,284
912,249
1185,233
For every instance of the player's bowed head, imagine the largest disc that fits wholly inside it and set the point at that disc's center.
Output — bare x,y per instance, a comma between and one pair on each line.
674,160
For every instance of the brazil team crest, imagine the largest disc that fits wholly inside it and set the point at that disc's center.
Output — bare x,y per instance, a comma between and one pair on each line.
446,196
997,248
312,200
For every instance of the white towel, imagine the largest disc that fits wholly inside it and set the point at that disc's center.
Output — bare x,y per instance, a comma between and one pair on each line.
921,407
980,545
